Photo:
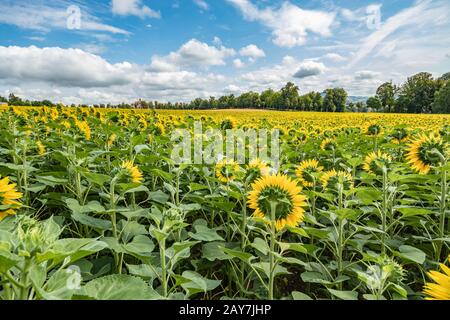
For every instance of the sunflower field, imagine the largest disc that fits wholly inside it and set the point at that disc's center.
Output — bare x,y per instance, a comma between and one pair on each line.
93,207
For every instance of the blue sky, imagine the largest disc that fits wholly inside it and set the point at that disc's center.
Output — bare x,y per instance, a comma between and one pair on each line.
176,50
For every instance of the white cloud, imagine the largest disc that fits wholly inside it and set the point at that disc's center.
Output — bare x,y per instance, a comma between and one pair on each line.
424,14
192,54
63,67
76,76
309,68
202,4
366,75
133,8
238,63
252,51
217,41
335,57
290,24
45,18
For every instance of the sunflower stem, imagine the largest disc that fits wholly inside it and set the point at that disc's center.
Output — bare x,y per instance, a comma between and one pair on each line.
112,203
384,212
442,209
273,208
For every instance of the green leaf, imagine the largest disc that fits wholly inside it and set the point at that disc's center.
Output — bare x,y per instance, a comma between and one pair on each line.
261,245
292,246
214,251
412,253
193,283
159,196
203,233
344,295
91,221
244,256
142,270
119,287
368,195
296,295
195,186
92,206
413,211
141,246
96,178
8,260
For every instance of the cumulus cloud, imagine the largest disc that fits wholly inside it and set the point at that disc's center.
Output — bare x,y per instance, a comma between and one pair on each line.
238,63
309,69
192,54
290,24
133,8
366,75
44,18
76,76
64,67
252,51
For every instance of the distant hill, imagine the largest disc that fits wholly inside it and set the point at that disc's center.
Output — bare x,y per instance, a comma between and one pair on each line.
355,99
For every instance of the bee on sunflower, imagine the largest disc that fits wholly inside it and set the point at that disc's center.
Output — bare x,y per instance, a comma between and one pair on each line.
440,289
305,172
227,170
375,161
132,171
278,200
331,178
427,151
8,198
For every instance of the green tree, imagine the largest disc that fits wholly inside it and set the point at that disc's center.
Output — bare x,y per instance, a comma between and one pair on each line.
441,102
418,93
386,95
267,98
374,103
328,101
340,99
290,95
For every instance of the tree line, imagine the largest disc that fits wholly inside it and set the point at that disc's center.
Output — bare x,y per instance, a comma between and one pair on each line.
421,93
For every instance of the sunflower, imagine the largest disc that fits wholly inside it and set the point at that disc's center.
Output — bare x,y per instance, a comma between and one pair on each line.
133,171
40,148
440,290
373,129
159,129
258,168
83,126
226,170
283,191
399,135
111,140
332,177
328,144
304,172
421,155
375,161
8,195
